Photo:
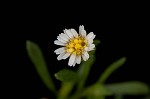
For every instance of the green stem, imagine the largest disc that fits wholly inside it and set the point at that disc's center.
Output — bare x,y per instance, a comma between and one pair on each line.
65,90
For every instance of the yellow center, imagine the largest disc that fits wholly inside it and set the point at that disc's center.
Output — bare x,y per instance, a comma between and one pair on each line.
76,45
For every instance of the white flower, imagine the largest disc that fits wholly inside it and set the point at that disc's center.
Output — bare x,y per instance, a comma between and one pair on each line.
74,45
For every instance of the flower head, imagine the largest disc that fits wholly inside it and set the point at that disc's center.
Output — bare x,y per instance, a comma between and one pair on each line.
74,45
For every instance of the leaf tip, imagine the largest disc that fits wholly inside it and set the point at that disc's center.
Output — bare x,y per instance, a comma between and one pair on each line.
97,42
55,75
123,59
28,42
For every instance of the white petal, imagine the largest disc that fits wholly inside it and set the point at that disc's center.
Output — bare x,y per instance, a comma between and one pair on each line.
90,35
68,32
80,29
74,63
60,50
82,32
86,49
66,55
93,36
66,36
85,56
90,41
91,47
61,40
78,59
60,56
58,43
71,59
74,32
62,36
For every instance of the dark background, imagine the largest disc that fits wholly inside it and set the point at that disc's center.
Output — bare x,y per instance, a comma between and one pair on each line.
119,28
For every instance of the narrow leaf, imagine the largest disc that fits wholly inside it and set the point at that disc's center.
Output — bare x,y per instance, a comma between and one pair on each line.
84,70
97,42
66,75
129,88
36,56
85,67
114,66
96,90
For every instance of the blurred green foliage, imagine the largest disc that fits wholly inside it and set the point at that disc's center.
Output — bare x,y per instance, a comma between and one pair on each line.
77,79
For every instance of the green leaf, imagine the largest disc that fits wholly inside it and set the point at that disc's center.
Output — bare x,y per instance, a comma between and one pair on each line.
36,56
128,88
66,75
96,90
84,70
68,78
65,90
114,66
97,42
146,97
95,97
